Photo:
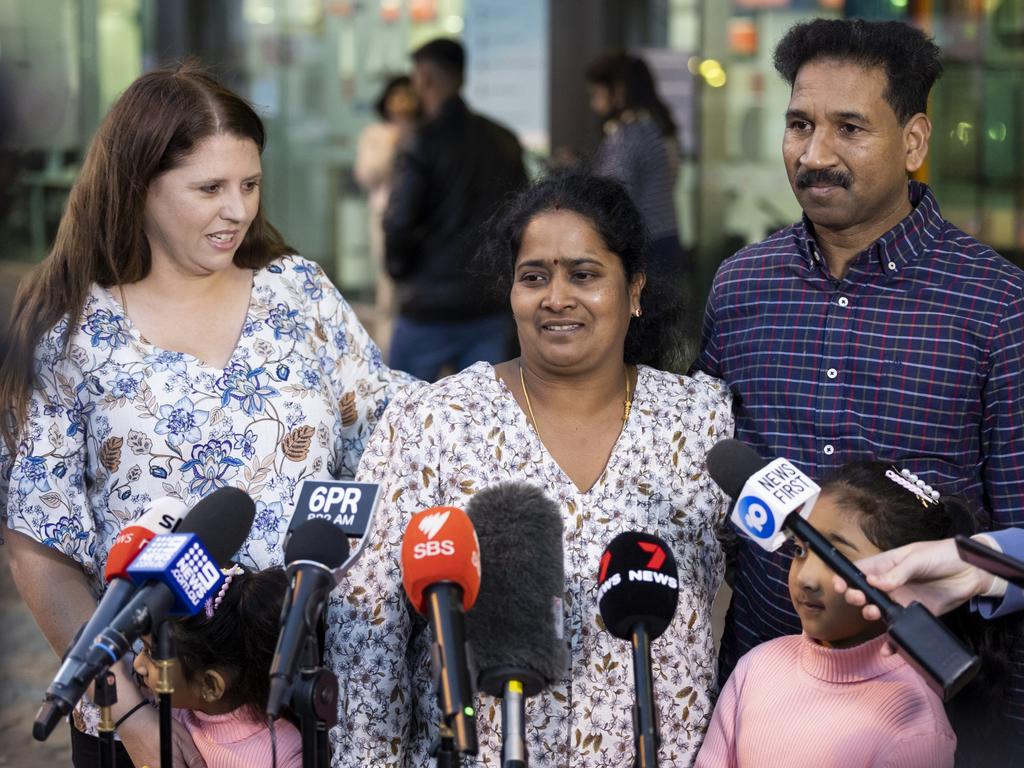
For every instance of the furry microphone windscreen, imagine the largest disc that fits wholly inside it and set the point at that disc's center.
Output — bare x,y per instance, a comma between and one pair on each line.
518,619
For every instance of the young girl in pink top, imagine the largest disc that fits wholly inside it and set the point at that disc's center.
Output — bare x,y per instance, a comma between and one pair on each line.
221,678
836,695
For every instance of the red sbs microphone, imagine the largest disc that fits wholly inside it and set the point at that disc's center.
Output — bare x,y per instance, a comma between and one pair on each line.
441,576
162,516
440,546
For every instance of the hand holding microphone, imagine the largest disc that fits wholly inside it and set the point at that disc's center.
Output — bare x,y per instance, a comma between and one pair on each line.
637,595
441,576
775,497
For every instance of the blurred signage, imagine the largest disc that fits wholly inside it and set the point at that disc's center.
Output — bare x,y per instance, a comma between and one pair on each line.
507,65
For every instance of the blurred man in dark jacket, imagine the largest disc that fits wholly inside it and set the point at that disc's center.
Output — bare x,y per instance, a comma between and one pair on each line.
450,178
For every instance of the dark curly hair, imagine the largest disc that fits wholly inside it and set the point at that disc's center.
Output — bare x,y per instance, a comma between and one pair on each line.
891,516
653,337
239,639
909,57
393,84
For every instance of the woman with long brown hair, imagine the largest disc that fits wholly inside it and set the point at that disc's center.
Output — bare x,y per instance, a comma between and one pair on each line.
169,345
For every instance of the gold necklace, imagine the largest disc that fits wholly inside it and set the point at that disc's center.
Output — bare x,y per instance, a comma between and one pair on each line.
626,406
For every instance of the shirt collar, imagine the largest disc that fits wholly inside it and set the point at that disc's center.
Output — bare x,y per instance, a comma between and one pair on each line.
897,248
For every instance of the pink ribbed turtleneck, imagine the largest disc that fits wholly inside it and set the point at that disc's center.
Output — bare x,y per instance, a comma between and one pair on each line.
792,703
234,740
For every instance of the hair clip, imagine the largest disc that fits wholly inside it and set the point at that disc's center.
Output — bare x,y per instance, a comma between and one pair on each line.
214,602
911,482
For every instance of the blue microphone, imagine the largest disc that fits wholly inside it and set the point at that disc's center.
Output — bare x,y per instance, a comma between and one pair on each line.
179,571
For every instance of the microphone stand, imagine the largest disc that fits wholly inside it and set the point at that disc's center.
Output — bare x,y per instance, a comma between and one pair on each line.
315,701
444,752
163,658
514,685
645,721
105,697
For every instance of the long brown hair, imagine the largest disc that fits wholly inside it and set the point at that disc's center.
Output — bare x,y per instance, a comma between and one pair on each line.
153,127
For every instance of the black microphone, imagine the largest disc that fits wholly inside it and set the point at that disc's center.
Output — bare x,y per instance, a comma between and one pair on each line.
315,549
638,590
221,522
516,627
769,496
163,516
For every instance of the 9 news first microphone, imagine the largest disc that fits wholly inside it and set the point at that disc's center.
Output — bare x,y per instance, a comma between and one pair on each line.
774,497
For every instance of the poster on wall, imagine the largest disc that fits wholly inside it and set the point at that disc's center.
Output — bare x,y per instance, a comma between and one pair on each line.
507,65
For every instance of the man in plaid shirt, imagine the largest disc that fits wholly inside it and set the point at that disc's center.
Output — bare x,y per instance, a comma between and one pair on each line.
872,328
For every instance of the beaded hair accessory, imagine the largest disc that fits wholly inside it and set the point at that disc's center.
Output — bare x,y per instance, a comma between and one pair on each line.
214,602
911,482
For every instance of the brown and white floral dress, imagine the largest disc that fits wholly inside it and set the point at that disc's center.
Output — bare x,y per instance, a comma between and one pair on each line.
438,445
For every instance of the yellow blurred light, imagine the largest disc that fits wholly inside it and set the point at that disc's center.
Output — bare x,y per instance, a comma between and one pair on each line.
716,79
962,132
709,66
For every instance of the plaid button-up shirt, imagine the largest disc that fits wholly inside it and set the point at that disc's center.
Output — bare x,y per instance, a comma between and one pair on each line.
914,357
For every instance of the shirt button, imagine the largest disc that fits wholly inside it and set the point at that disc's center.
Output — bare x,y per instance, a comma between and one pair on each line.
843,301
892,266
831,373
829,449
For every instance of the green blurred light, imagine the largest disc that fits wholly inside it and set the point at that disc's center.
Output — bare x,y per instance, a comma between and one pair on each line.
997,132
898,3
469,711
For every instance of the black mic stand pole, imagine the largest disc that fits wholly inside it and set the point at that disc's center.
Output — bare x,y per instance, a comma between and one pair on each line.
163,658
315,701
645,722
105,697
444,752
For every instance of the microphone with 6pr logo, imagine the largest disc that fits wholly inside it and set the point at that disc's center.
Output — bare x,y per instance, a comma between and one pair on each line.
775,497
637,594
441,576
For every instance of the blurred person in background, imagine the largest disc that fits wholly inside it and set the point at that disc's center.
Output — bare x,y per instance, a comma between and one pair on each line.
449,179
171,344
398,110
641,150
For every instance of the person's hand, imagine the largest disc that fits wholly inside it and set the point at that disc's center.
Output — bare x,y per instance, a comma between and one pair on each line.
929,572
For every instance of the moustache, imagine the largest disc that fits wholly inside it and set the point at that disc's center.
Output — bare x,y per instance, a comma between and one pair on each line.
824,177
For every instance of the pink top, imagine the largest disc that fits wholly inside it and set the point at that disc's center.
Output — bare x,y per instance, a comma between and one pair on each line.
792,703
234,740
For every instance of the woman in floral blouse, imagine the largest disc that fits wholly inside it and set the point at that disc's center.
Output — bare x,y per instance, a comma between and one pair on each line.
178,348
618,444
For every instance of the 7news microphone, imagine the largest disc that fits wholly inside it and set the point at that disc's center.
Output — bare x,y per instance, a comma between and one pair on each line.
177,573
638,590
772,496
516,629
441,576
163,516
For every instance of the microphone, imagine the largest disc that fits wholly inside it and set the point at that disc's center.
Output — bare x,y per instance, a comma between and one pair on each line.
516,629
441,576
638,590
767,496
163,516
183,574
315,549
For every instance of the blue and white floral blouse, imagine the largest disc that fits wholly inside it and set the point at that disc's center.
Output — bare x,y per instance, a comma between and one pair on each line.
117,422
